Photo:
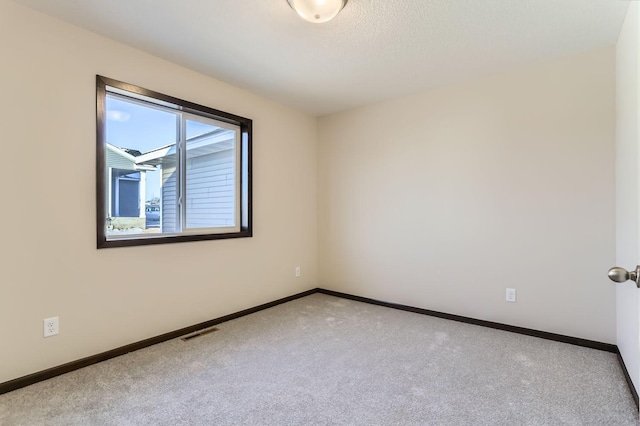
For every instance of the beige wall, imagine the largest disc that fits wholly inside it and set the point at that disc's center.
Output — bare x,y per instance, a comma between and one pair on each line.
443,199
112,297
627,212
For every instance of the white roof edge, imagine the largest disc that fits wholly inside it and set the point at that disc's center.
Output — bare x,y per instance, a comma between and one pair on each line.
171,149
154,155
121,152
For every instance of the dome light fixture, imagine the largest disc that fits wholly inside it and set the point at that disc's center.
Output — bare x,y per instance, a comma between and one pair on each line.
317,11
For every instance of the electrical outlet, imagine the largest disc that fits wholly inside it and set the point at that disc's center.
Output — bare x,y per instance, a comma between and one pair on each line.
511,295
51,326
297,272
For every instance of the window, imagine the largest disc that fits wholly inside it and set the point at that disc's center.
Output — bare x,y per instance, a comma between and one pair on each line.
169,170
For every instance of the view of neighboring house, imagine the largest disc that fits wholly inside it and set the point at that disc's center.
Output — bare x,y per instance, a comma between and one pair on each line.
126,180
210,193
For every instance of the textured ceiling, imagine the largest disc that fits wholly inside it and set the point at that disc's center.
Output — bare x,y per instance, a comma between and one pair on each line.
374,49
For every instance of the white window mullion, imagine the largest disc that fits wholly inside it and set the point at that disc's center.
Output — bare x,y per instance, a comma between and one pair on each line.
182,171
238,152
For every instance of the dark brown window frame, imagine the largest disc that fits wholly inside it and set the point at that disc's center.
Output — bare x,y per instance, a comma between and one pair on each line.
245,153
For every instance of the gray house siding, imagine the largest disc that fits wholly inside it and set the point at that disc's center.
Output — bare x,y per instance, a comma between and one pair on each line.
210,192
169,200
117,161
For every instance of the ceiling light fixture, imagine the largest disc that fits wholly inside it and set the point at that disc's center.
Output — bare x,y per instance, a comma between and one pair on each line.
317,11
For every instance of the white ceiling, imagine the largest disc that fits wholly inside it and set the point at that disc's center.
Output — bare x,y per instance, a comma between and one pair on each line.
374,49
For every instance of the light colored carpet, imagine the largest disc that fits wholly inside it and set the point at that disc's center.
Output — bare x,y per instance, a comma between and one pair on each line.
322,360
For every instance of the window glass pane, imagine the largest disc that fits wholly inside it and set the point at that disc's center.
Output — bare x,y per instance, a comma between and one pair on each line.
140,168
211,178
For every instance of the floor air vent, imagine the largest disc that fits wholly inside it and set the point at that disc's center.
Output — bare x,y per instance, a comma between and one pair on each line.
198,334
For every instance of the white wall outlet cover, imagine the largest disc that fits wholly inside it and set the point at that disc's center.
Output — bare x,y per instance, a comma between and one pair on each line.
511,295
51,326
297,271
